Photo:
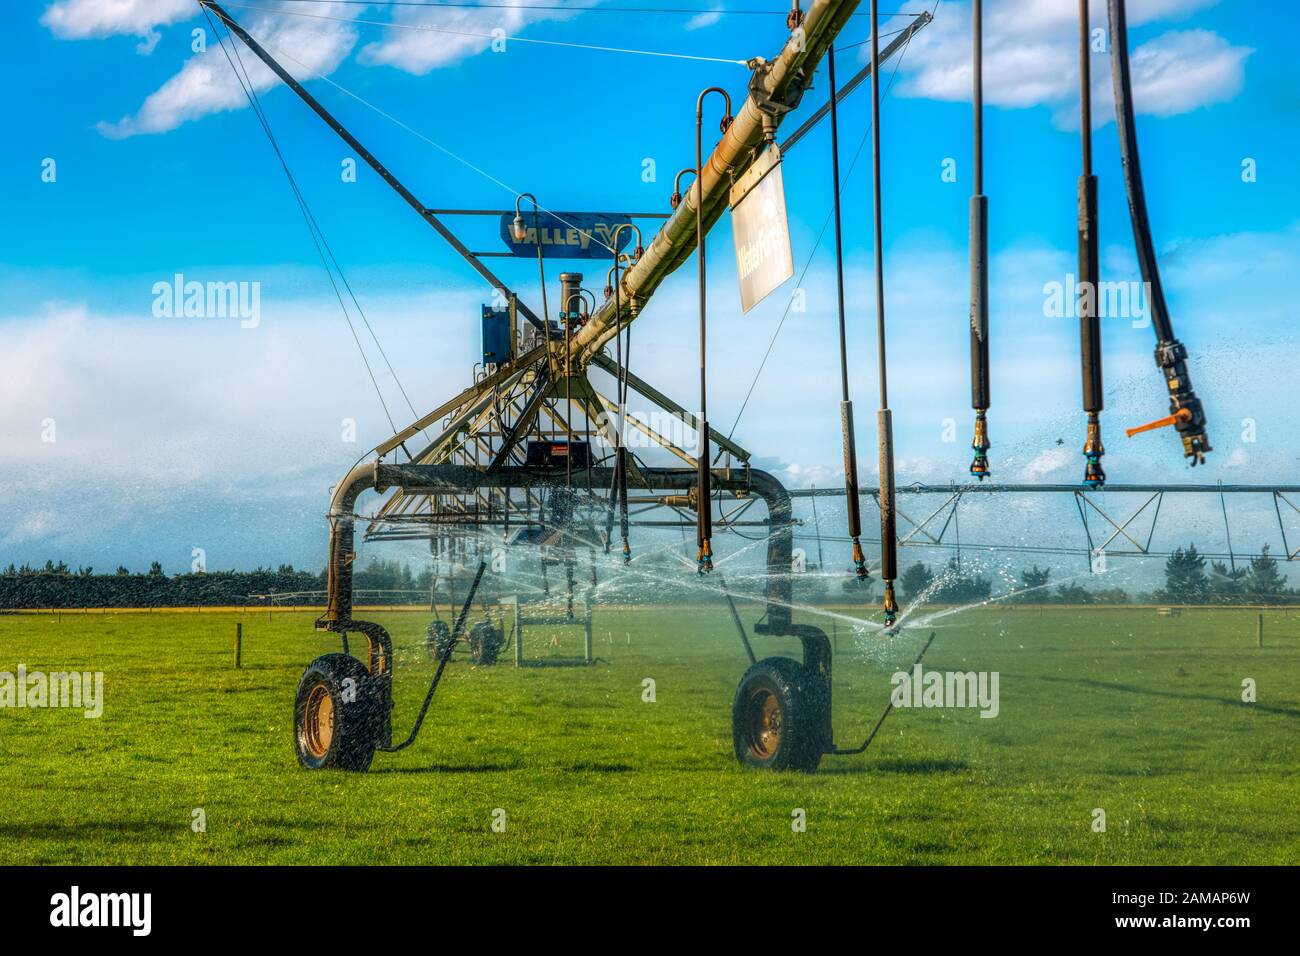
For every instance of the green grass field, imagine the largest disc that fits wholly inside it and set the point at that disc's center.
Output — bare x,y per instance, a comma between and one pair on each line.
1108,708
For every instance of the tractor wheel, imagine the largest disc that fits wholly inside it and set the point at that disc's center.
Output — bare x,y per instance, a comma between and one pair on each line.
778,716
437,637
484,644
336,716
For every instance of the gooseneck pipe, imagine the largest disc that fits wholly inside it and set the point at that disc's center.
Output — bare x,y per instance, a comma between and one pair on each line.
704,494
620,393
520,235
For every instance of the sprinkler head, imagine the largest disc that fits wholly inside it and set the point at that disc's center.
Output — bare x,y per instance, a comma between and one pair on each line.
891,605
860,561
1188,416
979,466
1093,476
704,563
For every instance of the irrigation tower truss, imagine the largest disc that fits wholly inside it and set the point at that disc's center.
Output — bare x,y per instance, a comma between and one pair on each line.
1101,523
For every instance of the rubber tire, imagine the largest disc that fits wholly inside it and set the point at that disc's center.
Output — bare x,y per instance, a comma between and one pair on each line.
436,637
801,698
484,644
356,723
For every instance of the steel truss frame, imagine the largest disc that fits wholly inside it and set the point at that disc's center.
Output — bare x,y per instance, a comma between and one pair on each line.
1116,524
486,428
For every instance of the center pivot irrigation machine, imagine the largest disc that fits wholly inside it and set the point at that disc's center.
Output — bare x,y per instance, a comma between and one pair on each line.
537,451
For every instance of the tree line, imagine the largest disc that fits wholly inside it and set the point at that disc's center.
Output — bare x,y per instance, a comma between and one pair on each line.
55,585
1258,581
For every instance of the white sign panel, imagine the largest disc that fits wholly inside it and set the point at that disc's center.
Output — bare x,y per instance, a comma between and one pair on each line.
760,229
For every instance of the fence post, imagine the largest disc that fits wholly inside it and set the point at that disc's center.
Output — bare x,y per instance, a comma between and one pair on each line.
239,643
1259,629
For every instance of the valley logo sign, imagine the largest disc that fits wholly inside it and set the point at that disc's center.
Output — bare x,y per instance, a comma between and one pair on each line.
566,235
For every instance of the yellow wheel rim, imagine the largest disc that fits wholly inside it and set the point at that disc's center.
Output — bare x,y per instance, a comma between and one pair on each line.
763,723
318,722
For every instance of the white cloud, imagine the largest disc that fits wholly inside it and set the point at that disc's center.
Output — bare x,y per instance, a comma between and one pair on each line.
319,37
1183,70
1031,59
83,19
206,84
702,20
428,39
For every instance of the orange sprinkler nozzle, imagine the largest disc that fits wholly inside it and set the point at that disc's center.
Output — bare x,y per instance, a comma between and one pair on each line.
979,466
890,605
859,560
704,563
1182,415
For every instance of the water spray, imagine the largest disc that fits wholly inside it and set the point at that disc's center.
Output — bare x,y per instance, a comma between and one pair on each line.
889,708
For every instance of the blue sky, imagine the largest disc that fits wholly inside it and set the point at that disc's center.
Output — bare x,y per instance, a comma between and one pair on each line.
175,433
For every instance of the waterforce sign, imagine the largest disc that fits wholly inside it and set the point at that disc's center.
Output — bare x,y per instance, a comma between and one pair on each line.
760,229
566,235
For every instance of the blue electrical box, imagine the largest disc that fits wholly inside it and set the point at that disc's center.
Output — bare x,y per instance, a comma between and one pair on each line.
496,336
